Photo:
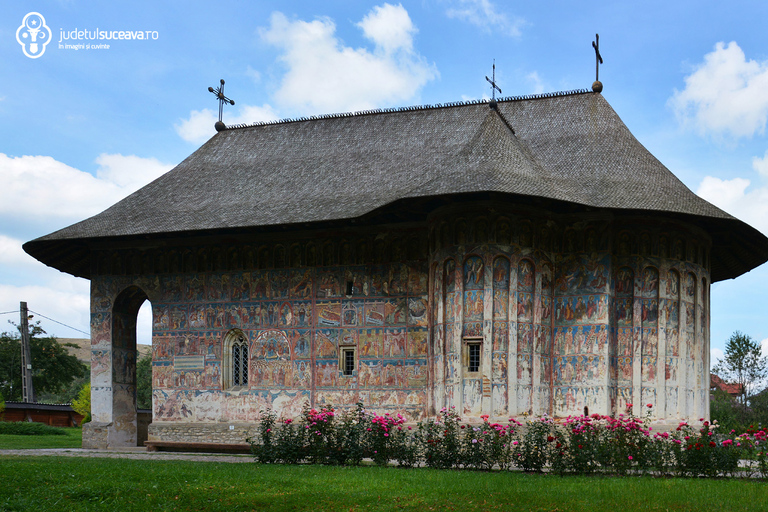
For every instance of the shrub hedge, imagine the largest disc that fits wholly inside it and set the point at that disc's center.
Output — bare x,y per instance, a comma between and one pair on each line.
576,445
23,428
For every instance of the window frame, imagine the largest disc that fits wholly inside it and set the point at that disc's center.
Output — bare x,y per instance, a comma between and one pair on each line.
343,351
236,351
469,342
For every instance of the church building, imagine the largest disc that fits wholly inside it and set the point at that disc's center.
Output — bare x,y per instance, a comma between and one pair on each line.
520,256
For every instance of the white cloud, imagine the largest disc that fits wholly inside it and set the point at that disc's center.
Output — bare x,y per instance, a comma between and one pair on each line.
254,74
715,354
49,192
198,127
43,189
726,95
129,172
485,15
732,196
11,252
761,164
69,305
535,80
323,75
389,27
764,347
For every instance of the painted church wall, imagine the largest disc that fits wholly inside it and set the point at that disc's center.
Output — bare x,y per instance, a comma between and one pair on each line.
295,320
564,318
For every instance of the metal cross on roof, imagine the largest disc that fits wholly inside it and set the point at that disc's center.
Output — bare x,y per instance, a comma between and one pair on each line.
219,92
597,86
494,87
598,57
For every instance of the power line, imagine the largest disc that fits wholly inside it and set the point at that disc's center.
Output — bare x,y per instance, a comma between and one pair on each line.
9,312
60,323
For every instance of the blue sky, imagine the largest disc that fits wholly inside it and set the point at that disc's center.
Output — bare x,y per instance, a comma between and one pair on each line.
83,128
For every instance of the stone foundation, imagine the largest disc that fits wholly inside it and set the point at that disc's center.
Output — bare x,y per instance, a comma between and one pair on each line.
95,435
231,433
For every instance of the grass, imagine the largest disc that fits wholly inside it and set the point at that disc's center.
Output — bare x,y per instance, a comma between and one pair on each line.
72,438
70,483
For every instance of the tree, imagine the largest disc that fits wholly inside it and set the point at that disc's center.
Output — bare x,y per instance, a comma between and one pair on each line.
54,368
743,364
144,382
82,404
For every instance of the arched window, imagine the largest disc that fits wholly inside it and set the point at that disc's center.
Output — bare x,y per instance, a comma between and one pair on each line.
235,360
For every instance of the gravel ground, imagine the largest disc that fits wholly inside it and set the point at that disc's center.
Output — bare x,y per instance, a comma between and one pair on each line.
138,454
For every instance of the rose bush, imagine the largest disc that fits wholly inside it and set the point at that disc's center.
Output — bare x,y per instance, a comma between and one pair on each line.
578,444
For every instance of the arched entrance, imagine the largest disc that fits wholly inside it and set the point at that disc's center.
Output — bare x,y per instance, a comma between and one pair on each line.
113,376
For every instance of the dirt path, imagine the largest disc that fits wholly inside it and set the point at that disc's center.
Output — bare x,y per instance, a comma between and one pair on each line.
137,454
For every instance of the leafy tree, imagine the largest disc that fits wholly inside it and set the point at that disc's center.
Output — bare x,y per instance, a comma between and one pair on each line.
54,368
82,404
728,413
67,394
144,382
743,364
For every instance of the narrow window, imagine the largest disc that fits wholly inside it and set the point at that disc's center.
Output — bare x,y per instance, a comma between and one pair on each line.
240,364
235,361
472,353
474,357
347,361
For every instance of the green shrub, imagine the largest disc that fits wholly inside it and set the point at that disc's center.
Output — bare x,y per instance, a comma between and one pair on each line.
23,428
578,445
262,447
532,448
349,441
82,404
441,440
406,449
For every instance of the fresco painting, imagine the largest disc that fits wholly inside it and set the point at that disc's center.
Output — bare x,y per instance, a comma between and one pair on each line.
550,343
474,273
276,308
472,400
499,399
500,337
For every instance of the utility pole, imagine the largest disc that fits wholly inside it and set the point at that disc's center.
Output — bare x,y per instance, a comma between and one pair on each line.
27,389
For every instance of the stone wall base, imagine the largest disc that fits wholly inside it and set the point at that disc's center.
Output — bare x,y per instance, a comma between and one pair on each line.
230,433
95,435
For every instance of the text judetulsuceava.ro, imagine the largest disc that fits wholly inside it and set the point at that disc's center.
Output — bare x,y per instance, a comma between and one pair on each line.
141,35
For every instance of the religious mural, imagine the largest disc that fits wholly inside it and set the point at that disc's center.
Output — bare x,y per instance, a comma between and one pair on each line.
557,336
580,331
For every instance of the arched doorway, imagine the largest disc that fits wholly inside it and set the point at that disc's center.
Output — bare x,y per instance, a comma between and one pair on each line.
124,355
113,377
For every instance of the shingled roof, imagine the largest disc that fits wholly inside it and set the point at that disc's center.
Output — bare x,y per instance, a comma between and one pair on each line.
567,147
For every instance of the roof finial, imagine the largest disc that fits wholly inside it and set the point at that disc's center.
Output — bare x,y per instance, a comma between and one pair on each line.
219,92
494,87
597,86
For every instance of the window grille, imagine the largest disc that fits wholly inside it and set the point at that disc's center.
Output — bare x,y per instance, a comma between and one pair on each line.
239,365
474,357
349,361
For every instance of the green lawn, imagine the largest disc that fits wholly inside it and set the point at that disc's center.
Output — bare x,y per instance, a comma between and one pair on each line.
72,439
64,483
